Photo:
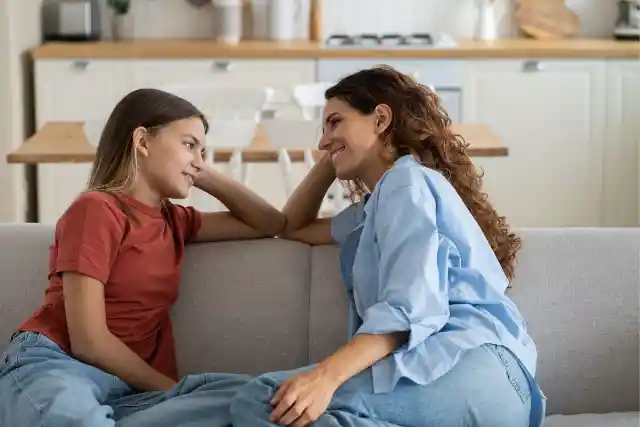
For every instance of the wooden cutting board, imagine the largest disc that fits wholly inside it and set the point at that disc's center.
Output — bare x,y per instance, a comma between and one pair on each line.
546,19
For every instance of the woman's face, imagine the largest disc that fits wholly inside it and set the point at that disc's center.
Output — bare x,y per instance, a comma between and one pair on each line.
173,157
353,139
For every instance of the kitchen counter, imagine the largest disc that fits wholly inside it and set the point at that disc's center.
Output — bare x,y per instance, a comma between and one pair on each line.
65,142
465,49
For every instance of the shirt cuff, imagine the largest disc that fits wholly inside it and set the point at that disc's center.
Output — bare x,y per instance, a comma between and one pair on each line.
382,318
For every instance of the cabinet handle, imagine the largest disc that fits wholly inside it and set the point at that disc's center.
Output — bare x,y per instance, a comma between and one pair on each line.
223,66
80,64
532,66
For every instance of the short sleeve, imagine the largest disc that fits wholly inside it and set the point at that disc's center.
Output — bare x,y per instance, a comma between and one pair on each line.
346,221
413,289
188,219
88,238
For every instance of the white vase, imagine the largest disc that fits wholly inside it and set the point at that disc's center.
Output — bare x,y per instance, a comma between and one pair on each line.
121,27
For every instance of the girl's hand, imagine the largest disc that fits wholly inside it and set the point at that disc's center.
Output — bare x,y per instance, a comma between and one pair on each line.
302,399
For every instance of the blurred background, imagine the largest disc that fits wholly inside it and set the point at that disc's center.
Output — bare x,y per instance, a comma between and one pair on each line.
547,92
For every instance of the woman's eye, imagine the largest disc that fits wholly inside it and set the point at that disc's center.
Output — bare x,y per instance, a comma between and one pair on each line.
190,144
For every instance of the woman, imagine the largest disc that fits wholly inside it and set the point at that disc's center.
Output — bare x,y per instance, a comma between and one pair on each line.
100,349
425,260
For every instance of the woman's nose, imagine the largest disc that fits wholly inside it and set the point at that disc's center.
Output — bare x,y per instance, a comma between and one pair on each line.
324,142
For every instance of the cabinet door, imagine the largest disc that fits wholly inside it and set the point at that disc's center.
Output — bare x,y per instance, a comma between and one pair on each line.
74,91
550,114
621,174
281,75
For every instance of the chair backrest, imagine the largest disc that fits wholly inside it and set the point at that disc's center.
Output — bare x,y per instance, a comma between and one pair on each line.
224,101
310,98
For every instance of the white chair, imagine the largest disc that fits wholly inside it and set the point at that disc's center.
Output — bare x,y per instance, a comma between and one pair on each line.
295,133
310,98
233,113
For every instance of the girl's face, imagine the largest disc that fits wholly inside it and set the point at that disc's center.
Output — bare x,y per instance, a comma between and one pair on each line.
171,158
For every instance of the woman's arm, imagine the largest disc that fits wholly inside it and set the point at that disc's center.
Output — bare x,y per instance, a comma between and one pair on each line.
301,209
249,216
360,353
94,344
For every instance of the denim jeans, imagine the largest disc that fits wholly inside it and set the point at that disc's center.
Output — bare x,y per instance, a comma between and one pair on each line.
486,388
41,385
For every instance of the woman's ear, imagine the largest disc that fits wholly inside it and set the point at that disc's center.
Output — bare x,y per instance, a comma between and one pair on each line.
140,140
383,118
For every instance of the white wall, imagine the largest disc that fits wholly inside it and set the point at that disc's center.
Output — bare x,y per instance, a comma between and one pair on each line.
19,31
178,19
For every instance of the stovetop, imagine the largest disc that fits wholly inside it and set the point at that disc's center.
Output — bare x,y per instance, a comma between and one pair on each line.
390,41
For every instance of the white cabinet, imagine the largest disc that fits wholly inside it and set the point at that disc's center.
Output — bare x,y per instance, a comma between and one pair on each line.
551,115
72,90
281,75
622,155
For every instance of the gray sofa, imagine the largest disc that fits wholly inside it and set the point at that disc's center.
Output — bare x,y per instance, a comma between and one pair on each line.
274,304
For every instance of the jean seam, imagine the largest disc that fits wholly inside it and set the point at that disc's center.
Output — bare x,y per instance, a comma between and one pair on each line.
26,395
510,374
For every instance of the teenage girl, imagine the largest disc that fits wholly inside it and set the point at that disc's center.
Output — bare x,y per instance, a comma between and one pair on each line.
426,261
100,350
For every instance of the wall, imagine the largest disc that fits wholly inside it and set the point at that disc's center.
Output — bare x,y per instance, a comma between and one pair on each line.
178,19
19,31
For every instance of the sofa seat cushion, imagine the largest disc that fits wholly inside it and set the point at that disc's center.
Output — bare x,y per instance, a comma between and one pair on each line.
617,419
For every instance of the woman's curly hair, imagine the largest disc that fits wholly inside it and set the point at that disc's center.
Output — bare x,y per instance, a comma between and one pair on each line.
421,127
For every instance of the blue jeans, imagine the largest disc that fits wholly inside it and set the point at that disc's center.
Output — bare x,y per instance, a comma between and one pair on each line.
41,385
486,388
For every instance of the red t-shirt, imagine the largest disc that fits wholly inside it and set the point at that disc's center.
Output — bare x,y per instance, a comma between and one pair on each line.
138,262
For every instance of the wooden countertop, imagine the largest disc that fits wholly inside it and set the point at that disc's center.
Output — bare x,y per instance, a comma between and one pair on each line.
65,142
469,49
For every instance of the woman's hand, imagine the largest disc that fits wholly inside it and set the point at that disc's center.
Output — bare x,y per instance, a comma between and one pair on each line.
302,399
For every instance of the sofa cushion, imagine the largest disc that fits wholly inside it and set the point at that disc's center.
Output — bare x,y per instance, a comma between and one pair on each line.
23,273
578,290
623,419
243,307
328,312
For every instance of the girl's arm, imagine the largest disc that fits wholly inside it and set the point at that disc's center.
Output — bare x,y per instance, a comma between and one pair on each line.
249,216
94,344
301,209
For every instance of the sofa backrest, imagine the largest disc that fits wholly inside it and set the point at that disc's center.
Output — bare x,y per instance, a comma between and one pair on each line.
273,304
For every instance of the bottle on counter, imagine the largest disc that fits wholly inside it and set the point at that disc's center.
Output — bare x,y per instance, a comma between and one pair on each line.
228,20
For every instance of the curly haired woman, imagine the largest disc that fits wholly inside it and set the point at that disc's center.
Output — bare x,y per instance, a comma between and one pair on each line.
426,261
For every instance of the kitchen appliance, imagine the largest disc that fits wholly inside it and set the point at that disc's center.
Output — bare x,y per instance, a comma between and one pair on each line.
71,20
389,41
628,23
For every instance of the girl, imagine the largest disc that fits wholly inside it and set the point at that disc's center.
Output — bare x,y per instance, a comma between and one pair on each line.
426,261
100,349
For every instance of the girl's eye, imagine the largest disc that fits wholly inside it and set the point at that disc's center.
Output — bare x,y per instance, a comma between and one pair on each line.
334,122
190,144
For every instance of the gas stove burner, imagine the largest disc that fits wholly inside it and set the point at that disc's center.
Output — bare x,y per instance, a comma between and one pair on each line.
389,40
366,39
418,38
339,40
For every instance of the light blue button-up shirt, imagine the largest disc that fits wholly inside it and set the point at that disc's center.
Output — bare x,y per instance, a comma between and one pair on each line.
414,259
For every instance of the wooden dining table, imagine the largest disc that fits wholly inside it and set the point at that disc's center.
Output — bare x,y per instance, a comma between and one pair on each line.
66,142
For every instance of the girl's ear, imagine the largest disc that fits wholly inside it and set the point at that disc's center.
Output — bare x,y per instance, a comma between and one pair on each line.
140,140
